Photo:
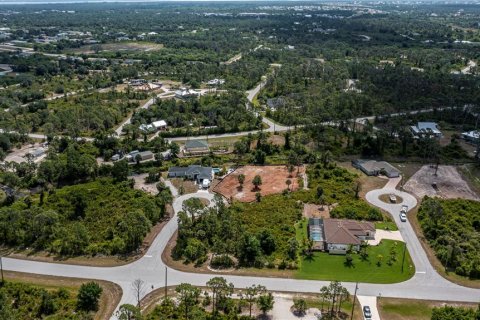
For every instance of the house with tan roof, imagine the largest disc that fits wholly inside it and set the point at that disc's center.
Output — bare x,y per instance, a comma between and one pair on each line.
337,236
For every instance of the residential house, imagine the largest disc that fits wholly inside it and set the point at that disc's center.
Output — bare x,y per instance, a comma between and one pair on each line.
426,129
184,93
375,168
216,82
196,147
471,136
201,175
337,236
342,234
37,153
144,155
147,128
160,125
274,103
137,82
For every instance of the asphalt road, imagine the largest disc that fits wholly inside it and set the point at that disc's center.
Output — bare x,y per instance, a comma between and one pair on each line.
426,283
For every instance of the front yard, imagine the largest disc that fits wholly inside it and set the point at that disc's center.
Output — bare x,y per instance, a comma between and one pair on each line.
323,266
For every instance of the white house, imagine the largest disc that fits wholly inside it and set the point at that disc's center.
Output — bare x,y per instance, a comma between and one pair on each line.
160,125
426,129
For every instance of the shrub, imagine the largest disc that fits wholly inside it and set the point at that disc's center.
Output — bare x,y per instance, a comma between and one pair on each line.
222,262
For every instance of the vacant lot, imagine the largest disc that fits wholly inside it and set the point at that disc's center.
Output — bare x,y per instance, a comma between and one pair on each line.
449,184
406,309
274,180
119,46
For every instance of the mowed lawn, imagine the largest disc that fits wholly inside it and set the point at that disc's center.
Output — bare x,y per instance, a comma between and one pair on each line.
323,266
406,309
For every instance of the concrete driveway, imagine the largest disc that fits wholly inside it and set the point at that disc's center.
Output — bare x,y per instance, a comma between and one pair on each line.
370,301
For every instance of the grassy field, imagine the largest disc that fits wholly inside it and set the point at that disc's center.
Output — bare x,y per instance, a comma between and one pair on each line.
323,266
405,309
386,225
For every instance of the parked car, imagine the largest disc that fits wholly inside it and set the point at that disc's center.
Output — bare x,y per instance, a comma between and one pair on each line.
404,209
403,217
367,313
393,198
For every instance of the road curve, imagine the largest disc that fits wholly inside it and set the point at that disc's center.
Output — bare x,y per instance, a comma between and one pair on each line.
426,284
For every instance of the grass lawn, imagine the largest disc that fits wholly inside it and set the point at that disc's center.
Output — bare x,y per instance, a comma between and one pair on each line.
406,309
386,225
323,266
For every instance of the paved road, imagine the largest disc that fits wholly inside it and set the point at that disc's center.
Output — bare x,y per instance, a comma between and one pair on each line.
426,284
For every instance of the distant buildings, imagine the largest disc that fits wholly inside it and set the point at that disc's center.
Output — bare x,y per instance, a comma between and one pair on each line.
137,82
154,126
141,155
216,82
426,129
375,168
471,136
184,93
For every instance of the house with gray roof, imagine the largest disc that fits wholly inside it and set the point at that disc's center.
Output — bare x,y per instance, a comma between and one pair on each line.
426,129
196,147
201,175
375,168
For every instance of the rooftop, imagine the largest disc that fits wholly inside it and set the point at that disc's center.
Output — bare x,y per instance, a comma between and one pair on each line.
343,231
194,144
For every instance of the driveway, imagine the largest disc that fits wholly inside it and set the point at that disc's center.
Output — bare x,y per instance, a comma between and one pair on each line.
426,284
370,301
385,234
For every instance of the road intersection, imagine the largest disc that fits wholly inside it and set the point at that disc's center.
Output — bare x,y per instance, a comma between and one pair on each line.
425,284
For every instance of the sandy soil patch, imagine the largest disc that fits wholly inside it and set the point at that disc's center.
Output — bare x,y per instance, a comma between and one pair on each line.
316,211
449,184
140,184
273,181
20,155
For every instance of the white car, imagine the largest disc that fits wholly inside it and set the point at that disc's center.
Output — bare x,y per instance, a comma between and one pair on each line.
403,217
404,209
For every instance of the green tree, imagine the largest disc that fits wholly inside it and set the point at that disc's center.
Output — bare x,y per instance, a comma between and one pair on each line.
299,306
88,296
248,250
241,180
220,290
120,170
174,150
251,295
265,302
257,182
129,312
292,248
188,297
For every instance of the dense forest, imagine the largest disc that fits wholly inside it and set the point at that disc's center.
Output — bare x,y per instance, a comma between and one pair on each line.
452,227
77,220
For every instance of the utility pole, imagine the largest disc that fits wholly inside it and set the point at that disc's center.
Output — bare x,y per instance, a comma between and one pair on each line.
403,258
354,298
1,269
166,282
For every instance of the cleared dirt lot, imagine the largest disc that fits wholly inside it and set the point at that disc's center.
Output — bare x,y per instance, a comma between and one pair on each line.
449,184
273,181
